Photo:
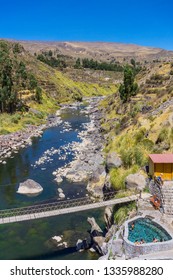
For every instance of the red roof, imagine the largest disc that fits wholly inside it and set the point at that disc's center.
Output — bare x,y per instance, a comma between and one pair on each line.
161,158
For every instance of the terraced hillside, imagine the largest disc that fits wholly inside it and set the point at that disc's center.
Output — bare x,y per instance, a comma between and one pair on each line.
142,125
26,75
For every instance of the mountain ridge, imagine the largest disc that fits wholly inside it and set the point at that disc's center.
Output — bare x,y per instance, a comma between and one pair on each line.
103,51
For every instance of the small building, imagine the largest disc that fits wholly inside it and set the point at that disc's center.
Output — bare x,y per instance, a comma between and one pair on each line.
161,164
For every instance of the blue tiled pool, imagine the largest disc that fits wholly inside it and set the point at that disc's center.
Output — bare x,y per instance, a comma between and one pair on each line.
145,229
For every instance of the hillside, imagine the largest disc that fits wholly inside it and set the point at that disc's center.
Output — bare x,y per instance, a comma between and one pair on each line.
98,50
26,74
142,125
59,84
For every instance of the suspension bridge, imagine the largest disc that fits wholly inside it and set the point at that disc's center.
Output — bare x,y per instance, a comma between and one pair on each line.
56,208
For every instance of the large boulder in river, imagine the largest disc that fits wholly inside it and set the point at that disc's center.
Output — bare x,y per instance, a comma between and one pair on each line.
94,226
135,181
108,216
30,188
113,161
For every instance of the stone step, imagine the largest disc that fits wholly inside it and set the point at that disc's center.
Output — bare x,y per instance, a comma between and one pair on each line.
167,193
167,202
167,208
167,196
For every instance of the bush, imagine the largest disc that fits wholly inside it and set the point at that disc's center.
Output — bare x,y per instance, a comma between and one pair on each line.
148,144
117,177
77,97
163,135
29,121
4,131
38,94
15,119
122,213
139,157
127,156
140,135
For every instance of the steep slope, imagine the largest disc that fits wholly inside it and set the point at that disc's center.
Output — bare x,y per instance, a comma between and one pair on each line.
141,126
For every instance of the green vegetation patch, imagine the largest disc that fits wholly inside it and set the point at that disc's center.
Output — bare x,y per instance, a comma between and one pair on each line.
118,175
122,213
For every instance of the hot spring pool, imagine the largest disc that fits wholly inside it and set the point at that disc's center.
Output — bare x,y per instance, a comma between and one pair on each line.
146,229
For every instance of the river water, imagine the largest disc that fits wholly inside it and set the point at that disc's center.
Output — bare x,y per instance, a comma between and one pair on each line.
31,239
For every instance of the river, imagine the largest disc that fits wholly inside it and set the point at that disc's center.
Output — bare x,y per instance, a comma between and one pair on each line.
31,239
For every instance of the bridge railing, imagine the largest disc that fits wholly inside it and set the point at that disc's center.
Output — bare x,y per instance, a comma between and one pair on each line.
44,207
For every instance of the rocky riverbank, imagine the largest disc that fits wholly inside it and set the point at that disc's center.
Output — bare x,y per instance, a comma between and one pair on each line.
88,155
14,141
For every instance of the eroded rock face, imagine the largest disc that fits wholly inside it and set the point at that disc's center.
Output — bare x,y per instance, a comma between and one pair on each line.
135,181
30,187
113,161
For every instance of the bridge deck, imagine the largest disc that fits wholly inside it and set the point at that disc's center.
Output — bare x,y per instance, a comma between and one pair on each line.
49,213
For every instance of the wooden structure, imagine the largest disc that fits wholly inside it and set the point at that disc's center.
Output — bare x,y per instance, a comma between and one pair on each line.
155,201
161,165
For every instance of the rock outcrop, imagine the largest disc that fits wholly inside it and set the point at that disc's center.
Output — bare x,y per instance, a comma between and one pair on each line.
113,161
97,238
30,188
96,184
135,181
82,245
108,216
94,225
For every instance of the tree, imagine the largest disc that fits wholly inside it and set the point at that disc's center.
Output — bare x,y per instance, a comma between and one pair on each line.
14,77
77,64
133,62
38,94
50,53
129,87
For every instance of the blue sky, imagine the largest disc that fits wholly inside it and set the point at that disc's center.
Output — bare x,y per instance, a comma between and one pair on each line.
148,22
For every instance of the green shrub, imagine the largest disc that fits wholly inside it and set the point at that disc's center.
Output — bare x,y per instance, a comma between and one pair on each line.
77,97
117,177
29,121
140,135
122,213
138,155
127,156
171,135
163,135
15,119
148,144
4,131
